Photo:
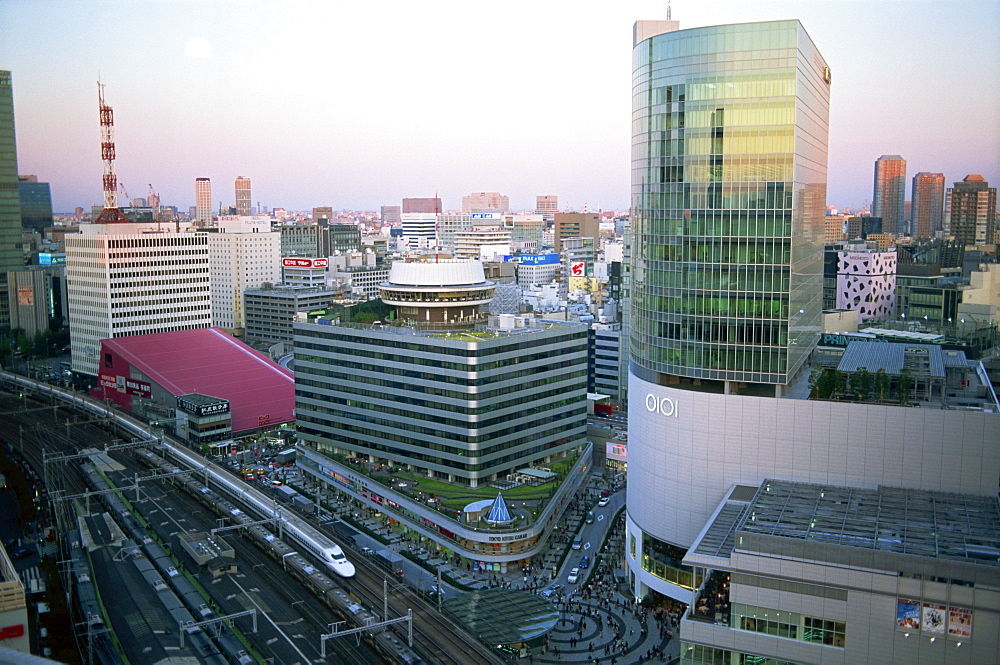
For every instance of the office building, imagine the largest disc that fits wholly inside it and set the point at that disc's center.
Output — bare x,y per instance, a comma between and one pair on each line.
890,192
420,225
10,206
426,205
547,206
36,203
864,281
482,243
575,225
128,279
342,238
203,201
390,215
604,363
241,256
479,422
971,211
527,231
927,211
322,214
483,201
244,200
725,289
307,240
270,312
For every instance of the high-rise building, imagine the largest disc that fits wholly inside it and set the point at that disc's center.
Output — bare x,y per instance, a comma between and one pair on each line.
419,225
10,207
726,277
526,230
426,205
890,192
203,200
927,210
36,203
576,225
547,206
971,211
725,423
241,256
480,201
244,200
322,214
133,279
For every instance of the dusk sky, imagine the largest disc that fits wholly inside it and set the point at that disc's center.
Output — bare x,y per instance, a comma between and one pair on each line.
359,104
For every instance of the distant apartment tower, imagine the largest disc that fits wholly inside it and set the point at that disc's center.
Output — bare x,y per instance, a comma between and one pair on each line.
927,204
36,203
890,191
971,211
547,206
131,279
485,201
576,225
244,205
242,256
427,205
203,200
390,215
322,214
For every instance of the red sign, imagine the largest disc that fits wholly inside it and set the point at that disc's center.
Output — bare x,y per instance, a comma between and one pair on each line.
578,268
123,384
10,632
25,295
264,420
305,263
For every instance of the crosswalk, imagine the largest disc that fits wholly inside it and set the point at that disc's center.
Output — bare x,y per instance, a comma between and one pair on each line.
34,581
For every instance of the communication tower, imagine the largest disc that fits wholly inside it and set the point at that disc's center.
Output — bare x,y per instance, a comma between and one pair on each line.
111,214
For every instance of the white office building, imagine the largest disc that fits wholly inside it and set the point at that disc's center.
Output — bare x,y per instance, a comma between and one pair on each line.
244,254
133,279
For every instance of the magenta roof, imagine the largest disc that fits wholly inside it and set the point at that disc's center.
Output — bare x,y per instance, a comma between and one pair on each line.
211,362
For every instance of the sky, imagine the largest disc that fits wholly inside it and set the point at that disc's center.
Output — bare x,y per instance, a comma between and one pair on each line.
357,104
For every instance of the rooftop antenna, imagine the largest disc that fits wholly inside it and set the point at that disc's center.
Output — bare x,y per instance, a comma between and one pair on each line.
668,10
111,213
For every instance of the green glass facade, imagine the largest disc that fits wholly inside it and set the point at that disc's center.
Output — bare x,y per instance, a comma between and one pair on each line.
729,160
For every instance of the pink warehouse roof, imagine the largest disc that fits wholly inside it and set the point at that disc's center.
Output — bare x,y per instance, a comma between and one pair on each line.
208,361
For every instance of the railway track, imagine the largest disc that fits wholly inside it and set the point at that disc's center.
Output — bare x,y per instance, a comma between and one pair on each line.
437,639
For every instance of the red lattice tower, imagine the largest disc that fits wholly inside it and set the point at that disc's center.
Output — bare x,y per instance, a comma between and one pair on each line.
111,213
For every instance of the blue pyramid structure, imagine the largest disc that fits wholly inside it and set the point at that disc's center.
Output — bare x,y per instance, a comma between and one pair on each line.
499,512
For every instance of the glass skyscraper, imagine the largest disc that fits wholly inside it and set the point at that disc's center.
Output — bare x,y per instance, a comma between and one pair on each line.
890,192
728,193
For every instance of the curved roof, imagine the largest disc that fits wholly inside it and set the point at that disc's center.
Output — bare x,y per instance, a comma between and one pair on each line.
446,272
212,362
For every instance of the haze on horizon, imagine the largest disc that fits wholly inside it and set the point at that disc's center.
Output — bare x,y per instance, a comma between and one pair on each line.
357,105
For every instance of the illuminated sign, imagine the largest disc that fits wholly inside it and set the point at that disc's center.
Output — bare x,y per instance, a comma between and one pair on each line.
46,259
222,406
578,268
507,539
263,420
485,215
661,405
533,259
305,263
616,451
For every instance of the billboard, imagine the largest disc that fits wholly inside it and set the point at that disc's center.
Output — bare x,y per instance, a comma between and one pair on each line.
616,451
578,268
47,259
25,295
125,385
305,263
532,259
199,410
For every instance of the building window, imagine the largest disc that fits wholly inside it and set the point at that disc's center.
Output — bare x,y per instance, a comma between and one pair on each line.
830,633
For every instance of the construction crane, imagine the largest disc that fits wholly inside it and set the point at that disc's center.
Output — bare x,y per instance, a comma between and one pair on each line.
111,213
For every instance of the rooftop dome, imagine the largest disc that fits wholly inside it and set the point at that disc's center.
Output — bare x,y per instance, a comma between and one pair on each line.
446,272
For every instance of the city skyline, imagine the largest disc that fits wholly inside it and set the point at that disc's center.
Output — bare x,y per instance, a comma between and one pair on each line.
359,107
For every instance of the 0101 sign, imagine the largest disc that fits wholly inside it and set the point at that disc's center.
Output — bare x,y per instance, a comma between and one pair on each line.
662,405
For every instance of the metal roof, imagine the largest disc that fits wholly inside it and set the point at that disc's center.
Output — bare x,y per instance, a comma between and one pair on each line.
212,362
892,357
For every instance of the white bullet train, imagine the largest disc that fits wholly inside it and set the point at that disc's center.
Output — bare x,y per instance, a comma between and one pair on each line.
300,531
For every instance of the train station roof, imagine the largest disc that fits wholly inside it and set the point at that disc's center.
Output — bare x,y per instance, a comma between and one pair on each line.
211,362
504,616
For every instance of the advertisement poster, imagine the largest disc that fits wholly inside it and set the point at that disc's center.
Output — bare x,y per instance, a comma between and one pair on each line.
933,619
908,614
25,295
959,622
